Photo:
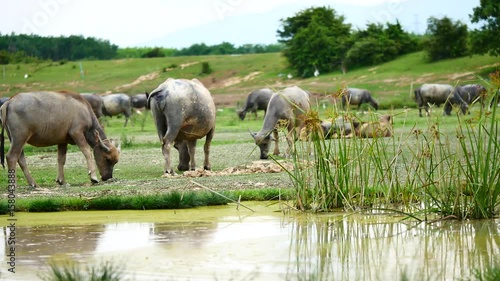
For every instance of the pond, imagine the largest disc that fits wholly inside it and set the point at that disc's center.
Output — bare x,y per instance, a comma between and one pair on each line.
223,243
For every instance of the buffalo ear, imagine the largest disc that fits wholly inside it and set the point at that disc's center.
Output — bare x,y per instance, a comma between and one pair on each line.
118,147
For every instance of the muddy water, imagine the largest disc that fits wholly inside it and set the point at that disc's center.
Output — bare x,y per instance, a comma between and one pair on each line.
222,243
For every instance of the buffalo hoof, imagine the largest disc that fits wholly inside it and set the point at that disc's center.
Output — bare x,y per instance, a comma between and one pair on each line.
94,180
208,168
183,167
169,173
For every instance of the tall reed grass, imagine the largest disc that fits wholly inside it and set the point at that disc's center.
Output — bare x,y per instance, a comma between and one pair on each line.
436,170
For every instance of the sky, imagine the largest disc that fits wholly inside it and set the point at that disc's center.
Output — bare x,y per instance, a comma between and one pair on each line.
182,23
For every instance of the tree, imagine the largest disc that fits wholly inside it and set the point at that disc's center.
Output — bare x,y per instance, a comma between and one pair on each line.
315,38
154,53
447,39
487,39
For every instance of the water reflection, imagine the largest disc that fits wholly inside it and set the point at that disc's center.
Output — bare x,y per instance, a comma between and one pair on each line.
263,247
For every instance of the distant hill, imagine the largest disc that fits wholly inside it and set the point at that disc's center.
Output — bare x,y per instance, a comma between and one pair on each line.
233,77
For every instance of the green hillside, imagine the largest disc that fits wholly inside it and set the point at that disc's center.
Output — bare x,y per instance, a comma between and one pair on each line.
233,77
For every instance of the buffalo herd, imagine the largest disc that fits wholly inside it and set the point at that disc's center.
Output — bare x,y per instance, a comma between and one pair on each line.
183,112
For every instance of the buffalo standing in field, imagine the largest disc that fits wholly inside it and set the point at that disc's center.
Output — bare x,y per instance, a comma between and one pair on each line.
289,106
256,100
95,102
438,94
139,101
183,111
55,118
354,96
116,104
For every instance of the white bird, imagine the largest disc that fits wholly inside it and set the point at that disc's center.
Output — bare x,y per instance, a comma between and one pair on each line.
289,76
316,73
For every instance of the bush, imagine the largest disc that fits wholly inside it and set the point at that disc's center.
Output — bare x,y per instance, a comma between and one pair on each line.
205,68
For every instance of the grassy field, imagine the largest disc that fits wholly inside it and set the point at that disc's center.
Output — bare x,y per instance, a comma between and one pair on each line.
233,77
138,174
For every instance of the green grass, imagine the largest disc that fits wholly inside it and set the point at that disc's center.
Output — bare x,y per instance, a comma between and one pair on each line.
391,83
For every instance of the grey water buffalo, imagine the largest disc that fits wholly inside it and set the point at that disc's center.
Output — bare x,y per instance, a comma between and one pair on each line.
95,102
256,100
116,104
55,118
183,112
288,106
472,93
438,94
354,96
139,101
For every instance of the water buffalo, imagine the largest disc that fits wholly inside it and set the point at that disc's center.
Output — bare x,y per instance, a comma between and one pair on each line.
342,126
95,102
55,118
183,111
354,96
472,93
115,104
438,94
139,101
378,129
256,100
289,106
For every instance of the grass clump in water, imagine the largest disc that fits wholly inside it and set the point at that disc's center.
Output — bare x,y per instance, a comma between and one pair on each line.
70,271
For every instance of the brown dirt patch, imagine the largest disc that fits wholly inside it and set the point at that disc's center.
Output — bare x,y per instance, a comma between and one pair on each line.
142,78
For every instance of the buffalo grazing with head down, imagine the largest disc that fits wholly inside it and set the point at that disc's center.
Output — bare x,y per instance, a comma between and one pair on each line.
438,94
354,96
183,111
256,100
288,106
116,104
55,118
473,93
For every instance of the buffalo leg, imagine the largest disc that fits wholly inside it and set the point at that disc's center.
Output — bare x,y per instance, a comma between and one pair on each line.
85,148
206,150
167,141
24,168
191,147
16,155
276,143
183,155
165,149
61,160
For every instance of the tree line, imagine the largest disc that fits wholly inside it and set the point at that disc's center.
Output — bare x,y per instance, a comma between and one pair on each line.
319,39
16,48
